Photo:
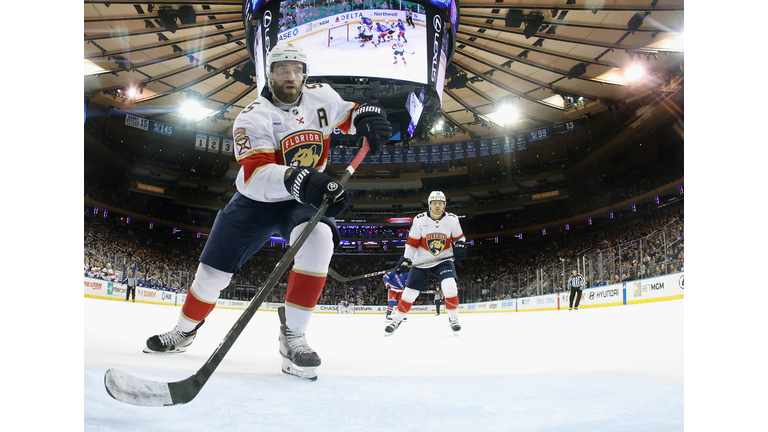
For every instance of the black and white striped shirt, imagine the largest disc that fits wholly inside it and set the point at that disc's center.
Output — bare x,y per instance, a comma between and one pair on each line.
576,281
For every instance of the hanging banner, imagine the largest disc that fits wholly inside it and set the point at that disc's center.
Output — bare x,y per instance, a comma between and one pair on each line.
520,144
410,155
375,158
485,150
445,152
386,156
336,156
423,154
201,142
227,146
137,122
213,144
471,150
458,150
495,146
349,154
509,144
434,153
538,134
162,129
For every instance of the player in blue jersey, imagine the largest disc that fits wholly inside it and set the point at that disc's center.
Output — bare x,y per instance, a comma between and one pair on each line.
395,284
401,31
383,32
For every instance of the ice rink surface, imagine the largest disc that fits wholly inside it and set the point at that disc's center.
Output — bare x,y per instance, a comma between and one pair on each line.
601,369
367,61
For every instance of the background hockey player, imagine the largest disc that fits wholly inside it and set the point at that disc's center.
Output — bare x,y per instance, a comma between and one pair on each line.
401,31
365,35
287,117
392,29
434,233
399,51
395,283
368,23
383,32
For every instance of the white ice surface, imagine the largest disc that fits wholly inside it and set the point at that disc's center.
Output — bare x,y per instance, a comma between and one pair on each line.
603,369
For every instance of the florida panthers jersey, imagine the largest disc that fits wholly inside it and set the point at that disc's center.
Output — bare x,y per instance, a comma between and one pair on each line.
429,239
268,139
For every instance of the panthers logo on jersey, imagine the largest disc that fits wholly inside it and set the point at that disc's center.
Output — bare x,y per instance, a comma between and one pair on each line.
302,149
436,243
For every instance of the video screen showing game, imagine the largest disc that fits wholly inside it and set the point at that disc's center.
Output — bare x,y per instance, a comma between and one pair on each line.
376,39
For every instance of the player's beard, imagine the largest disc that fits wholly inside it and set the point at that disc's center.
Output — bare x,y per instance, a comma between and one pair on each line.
284,95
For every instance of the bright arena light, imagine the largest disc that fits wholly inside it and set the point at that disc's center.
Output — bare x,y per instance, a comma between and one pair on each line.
192,109
92,68
634,72
505,115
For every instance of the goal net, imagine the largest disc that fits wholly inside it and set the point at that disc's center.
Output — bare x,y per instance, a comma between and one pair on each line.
346,308
338,34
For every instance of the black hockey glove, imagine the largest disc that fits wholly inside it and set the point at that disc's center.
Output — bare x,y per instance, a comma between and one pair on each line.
371,122
310,186
403,266
459,250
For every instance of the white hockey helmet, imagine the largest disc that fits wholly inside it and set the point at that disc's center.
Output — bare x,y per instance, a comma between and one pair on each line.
286,52
436,196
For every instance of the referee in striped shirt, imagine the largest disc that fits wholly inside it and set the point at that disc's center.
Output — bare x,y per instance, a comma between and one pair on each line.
576,284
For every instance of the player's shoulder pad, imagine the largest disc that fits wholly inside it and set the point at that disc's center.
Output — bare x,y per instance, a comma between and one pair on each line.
451,215
420,215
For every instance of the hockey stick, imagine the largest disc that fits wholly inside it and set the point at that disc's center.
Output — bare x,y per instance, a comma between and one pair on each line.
137,391
341,278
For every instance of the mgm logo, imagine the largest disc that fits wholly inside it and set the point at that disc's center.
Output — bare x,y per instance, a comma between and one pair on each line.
638,289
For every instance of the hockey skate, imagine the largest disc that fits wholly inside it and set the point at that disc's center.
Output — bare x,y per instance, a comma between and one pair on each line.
174,341
455,326
390,329
298,358
388,318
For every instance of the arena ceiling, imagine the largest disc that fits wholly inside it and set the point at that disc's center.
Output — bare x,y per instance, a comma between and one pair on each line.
581,51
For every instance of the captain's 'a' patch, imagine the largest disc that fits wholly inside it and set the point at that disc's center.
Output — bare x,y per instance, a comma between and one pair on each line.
436,242
302,149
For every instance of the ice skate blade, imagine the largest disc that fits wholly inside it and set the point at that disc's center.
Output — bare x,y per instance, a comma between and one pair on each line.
173,351
307,373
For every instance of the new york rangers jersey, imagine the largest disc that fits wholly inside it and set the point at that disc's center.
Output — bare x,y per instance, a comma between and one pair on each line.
429,239
394,281
268,139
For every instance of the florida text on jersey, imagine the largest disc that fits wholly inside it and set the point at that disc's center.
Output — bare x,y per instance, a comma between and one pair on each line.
268,139
429,238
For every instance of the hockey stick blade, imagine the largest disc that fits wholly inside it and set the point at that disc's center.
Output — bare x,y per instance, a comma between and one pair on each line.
137,391
341,278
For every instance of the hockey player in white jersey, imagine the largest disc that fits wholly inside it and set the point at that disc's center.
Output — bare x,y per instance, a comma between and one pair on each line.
365,35
434,234
281,143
